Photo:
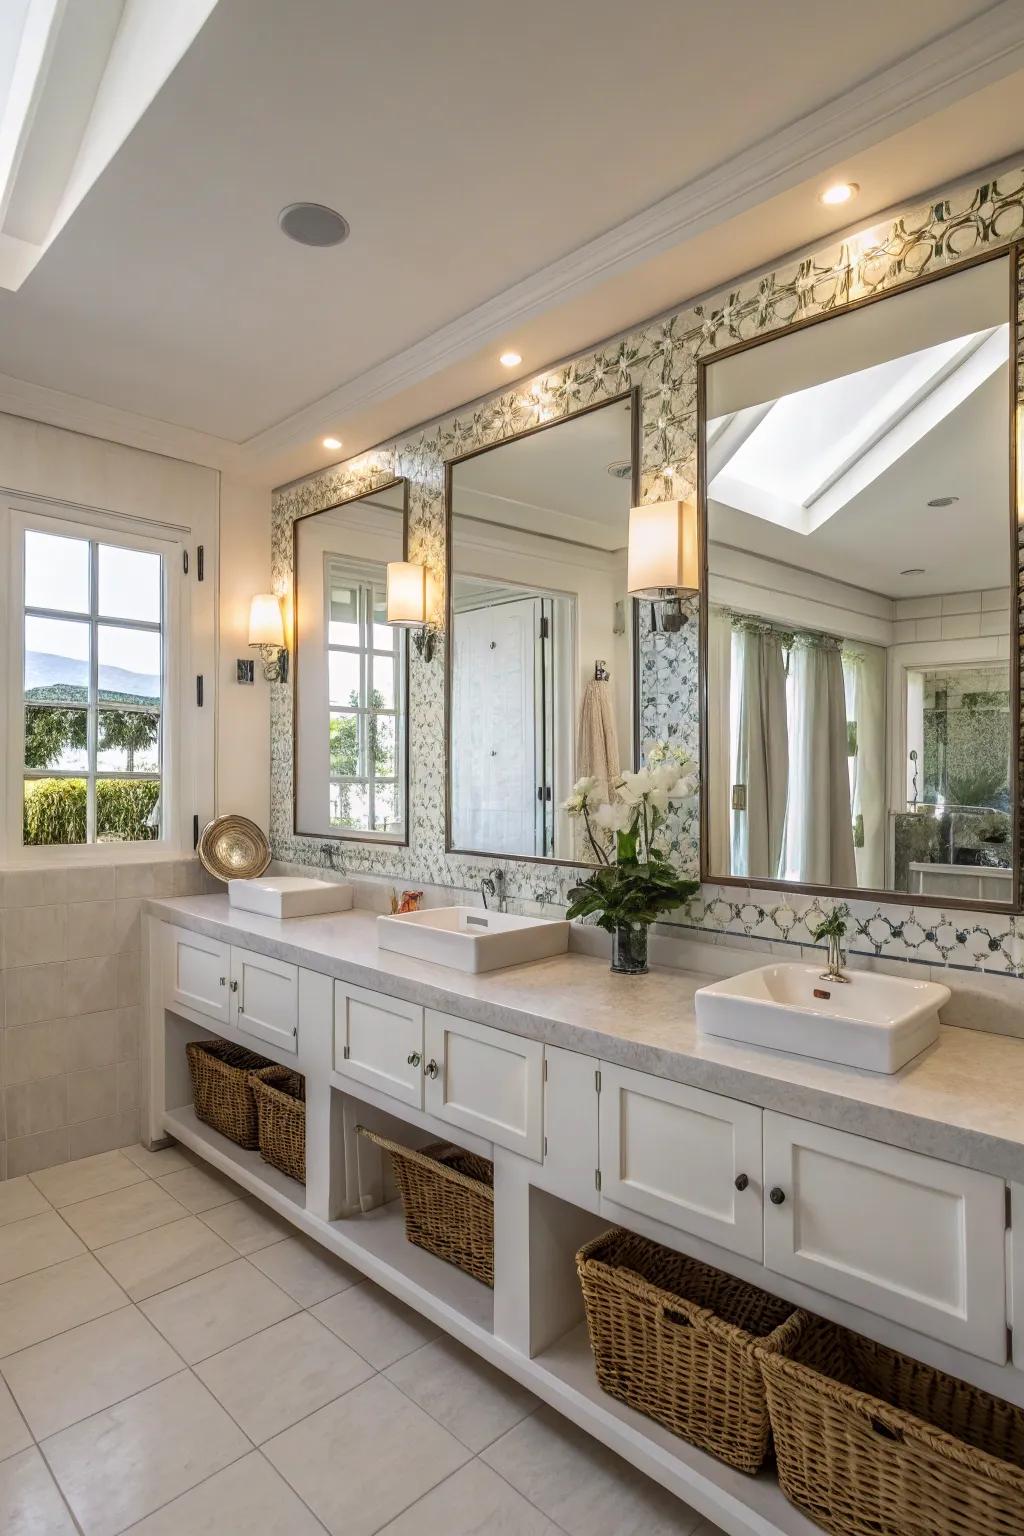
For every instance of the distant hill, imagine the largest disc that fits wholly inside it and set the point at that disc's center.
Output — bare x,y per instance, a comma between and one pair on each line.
61,679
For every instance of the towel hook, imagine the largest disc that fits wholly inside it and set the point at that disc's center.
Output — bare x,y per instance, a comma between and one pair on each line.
601,673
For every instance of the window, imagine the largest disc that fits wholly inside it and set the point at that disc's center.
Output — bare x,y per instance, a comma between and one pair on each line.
93,687
366,701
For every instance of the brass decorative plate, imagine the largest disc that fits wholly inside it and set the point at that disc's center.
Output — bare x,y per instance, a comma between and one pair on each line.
233,848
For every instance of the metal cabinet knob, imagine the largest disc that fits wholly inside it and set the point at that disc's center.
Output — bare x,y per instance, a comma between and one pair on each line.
415,1059
431,1068
777,1196
234,986
741,1181
223,981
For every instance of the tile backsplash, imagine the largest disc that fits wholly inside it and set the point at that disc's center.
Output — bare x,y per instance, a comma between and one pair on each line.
70,1006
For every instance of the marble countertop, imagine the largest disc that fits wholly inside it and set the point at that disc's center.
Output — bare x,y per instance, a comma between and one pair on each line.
962,1100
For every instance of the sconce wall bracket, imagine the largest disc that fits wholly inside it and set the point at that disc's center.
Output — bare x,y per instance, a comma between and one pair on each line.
275,662
423,640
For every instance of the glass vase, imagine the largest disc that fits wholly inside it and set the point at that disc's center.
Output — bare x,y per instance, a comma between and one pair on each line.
629,949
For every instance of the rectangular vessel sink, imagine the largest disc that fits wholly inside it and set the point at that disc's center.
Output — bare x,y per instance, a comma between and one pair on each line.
471,938
875,1022
290,895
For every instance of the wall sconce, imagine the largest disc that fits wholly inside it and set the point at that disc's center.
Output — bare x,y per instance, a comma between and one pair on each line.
266,635
663,561
407,604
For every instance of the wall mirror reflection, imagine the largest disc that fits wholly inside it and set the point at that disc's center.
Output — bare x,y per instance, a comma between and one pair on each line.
861,641
351,672
540,654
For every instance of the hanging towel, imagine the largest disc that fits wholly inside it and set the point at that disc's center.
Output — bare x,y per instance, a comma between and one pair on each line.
597,745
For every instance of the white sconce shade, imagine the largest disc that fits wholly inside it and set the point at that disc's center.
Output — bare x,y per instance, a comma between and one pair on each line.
266,626
663,558
406,593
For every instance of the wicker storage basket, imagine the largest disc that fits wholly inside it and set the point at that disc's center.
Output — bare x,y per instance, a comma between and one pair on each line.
868,1440
221,1091
448,1196
679,1341
281,1106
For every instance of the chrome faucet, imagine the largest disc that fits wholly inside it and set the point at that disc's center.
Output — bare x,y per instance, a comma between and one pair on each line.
493,885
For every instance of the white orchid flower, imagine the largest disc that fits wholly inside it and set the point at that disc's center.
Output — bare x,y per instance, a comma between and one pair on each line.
614,818
585,786
634,786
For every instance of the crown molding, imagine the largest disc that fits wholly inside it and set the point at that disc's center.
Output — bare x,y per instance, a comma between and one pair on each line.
955,65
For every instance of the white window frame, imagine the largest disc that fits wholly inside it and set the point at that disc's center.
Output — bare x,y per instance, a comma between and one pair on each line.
186,732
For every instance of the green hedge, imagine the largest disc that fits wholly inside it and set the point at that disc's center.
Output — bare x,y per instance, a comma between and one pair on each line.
55,810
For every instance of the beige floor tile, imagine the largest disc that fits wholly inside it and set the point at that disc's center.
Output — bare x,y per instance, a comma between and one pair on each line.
584,1488
19,1199
474,1401
473,1502
247,1225
216,1310
14,1435
360,1461
199,1189
30,1504
271,1381
157,1164
90,1176
167,1256
127,1461
34,1243
306,1270
38,1306
65,1379
248,1498
377,1326
123,1213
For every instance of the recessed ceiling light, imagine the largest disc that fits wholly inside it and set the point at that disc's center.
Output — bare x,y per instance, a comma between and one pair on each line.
913,570
332,442
943,501
313,224
510,359
839,192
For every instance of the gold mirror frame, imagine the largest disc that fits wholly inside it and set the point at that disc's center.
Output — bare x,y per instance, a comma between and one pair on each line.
1012,254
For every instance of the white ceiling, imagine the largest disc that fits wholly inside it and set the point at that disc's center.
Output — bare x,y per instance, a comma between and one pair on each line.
537,176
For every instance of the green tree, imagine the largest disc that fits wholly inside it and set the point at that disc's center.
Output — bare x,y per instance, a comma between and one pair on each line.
127,731
48,732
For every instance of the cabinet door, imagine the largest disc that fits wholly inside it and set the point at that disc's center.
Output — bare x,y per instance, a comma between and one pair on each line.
485,1081
915,1240
682,1156
378,1040
196,973
265,999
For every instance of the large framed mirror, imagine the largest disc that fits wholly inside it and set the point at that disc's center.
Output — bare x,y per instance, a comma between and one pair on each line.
860,699
541,632
351,672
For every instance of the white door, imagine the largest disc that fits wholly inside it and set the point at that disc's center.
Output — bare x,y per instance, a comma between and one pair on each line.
494,729
485,1081
915,1240
682,1156
265,999
197,971
378,1041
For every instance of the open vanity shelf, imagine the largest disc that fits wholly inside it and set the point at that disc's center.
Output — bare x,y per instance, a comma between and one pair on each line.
579,1143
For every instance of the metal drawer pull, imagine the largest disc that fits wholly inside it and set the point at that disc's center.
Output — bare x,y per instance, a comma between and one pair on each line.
431,1069
741,1182
223,981
414,1060
777,1196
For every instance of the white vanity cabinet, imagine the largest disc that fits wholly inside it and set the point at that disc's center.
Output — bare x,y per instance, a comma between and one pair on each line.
682,1156
486,1081
378,1042
265,999
197,973
907,1237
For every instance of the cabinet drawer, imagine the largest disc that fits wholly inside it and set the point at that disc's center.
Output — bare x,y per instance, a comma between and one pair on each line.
682,1156
196,973
485,1081
910,1238
378,1041
265,999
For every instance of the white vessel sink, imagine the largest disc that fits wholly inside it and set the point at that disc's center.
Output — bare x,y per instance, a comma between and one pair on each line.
290,895
876,1022
471,938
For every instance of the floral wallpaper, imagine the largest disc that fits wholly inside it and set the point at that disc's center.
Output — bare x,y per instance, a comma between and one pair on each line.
660,360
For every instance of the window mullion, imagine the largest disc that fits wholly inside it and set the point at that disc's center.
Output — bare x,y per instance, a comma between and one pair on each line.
92,723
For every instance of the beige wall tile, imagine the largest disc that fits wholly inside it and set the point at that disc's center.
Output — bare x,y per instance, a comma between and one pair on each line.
37,1106
128,923
34,887
92,1095
26,1154
91,929
129,979
93,1040
155,879
91,984
34,935
87,884
128,1085
129,1034
106,1135
34,1050
35,992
